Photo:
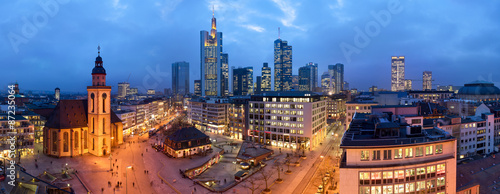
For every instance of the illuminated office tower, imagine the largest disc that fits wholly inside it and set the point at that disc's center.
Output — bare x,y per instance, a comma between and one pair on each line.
123,88
325,82
213,63
427,80
241,83
408,85
397,73
282,65
180,77
338,72
265,85
308,77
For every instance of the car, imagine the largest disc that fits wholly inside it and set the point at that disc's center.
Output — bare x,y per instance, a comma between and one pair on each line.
320,188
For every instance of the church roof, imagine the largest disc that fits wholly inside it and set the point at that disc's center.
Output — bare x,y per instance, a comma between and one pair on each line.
72,114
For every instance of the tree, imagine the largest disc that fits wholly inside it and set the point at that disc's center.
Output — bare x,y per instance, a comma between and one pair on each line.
278,165
252,186
266,175
287,162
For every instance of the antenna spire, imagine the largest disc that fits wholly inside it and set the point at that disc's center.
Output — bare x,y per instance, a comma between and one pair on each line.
99,50
279,33
213,10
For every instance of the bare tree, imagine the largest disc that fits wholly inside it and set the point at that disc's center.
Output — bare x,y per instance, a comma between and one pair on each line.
278,166
252,186
287,162
266,175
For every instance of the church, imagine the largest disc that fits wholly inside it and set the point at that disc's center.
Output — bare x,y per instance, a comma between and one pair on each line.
76,127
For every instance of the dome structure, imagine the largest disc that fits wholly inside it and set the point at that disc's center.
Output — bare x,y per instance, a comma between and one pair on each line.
479,90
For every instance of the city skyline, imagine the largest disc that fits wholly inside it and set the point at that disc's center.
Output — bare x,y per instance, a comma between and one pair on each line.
49,51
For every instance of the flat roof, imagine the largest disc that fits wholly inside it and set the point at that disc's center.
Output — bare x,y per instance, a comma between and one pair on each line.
394,106
363,127
482,171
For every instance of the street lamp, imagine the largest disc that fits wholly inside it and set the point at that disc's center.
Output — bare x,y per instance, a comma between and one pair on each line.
126,178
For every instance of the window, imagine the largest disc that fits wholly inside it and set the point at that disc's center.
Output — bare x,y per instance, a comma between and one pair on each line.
408,152
439,149
387,189
387,176
400,188
419,151
365,155
376,155
65,141
364,190
410,187
420,173
420,185
54,141
387,154
440,181
364,178
410,175
376,190
76,139
85,146
440,169
376,177
429,150
398,153
399,176
431,171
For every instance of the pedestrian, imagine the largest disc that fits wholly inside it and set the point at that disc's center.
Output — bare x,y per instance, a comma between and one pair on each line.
102,189
113,164
195,189
50,162
118,183
36,165
142,154
133,184
35,160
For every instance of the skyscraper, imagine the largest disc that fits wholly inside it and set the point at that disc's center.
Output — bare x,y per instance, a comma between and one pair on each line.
180,78
397,73
213,63
295,82
241,84
197,87
123,88
408,85
258,85
427,80
308,77
331,72
325,82
282,65
250,79
225,73
339,77
266,78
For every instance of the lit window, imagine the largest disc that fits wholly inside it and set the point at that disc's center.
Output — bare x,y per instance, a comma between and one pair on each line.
365,155
398,153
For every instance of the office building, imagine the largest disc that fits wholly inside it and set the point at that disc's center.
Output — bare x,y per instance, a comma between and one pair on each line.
23,133
408,85
265,85
197,87
123,89
397,73
339,77
133,91
325,83
427,80
242,83
331,72
308,77
295,82
382,156
213,63
258,85
209,115
282,65
357,105
293,119
180,78
238,117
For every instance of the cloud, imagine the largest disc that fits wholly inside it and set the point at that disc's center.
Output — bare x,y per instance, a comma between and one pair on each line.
167,6
289,11
254,28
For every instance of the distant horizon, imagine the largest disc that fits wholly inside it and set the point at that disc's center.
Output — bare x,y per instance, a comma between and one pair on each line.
140,41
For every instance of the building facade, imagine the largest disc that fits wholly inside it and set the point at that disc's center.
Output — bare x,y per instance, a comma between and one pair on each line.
339,78
282,65
357,106
57,94
180,78
308,77
24,134
213,73
123,89
397,73
325,83
427,80
287,119
242,83
197,87
209,115
380,156
430,95
265,85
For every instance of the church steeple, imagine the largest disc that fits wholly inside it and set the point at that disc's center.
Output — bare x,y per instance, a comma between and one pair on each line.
98,73
214,25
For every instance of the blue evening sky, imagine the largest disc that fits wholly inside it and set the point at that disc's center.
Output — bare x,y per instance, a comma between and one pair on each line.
48,43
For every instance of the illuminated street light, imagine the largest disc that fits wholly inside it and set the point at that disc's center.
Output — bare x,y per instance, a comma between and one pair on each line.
126,178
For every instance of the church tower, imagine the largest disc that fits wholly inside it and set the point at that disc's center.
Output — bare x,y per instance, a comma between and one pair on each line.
99,109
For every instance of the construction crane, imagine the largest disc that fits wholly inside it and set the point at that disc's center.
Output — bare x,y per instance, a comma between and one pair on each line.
128,77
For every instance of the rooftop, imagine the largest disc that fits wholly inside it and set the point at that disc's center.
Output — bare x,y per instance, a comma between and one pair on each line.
186,134
373,130
485,172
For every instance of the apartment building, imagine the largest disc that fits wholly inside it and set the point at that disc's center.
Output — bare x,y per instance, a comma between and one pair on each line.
209,114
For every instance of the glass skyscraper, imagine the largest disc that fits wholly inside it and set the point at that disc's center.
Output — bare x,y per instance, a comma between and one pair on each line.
265,85
427,80
180,77
214,63
397,73
282,65
308,77
339,77
242,81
